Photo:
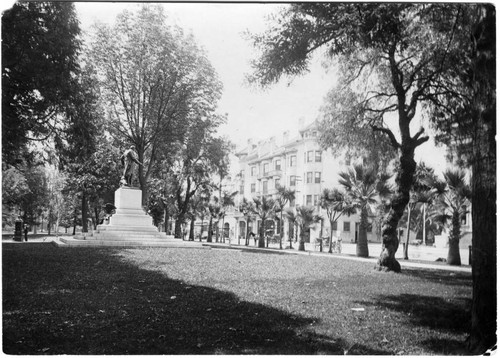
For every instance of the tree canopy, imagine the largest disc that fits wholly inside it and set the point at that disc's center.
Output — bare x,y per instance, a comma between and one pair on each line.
156,81
40,48
391,59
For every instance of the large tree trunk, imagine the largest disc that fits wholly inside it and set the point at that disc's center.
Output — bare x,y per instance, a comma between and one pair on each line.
302,242
408,225
282,229
209,234
84,212
454,241
262,241
484,228
330,246
404,178
191,230
484,236
178,226
362,245
484,247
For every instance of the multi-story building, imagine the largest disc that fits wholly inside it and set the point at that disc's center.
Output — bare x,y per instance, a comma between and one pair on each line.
297,163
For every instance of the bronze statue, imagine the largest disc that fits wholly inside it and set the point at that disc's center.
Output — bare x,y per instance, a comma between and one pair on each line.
128,159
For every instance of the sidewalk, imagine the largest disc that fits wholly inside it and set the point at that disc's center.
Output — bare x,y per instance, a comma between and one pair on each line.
349,253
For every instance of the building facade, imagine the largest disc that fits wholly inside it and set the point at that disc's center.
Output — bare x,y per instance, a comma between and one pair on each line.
297,163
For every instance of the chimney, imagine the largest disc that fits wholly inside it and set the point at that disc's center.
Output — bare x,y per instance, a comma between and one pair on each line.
301,122
286,135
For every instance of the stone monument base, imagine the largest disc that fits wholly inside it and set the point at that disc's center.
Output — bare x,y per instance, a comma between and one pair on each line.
129,226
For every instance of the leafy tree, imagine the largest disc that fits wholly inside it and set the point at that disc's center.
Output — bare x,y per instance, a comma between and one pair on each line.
363,187
264,208
198,209
14,188
96,178
39,63
156,204
336,204
391,58
56,204
306,219
351,136
194,166
156,82
36,200
284,196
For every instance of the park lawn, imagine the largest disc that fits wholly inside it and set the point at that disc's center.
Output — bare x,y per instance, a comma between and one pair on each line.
60,300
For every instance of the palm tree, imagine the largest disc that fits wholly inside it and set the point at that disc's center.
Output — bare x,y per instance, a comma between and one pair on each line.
336,204
420,193
247,207
364,187
306,219
292,218
264,209
227,201
453,199
214,208
284,196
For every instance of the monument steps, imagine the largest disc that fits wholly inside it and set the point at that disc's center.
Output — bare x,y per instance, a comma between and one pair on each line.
130,226
109,228
165,243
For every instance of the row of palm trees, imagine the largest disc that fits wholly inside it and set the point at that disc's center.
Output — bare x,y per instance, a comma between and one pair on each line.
368,192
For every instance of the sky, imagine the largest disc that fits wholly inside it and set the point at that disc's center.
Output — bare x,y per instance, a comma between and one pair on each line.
253,113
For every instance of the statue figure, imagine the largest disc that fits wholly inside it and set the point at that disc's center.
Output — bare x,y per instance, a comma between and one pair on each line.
128,159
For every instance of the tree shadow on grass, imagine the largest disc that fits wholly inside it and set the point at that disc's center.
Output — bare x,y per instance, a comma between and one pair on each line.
435,313
89,301
440,276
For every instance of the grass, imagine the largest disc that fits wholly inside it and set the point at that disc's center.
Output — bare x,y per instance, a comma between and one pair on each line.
181,301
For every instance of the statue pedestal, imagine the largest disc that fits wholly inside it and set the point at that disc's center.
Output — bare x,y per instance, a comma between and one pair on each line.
130,226
129,211
130,221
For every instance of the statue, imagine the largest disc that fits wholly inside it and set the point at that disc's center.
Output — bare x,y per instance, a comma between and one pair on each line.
128,159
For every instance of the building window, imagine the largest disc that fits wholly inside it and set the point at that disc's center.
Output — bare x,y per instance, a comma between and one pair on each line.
317,157
252,188
293,160
264,187
316,200
253,171
347,226
314,134
310,156
317,177
265,168
277,164
242,189
309,177
334,226
276,183
292,180
308,200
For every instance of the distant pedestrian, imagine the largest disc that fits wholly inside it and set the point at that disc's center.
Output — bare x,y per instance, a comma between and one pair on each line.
252,235
25,232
